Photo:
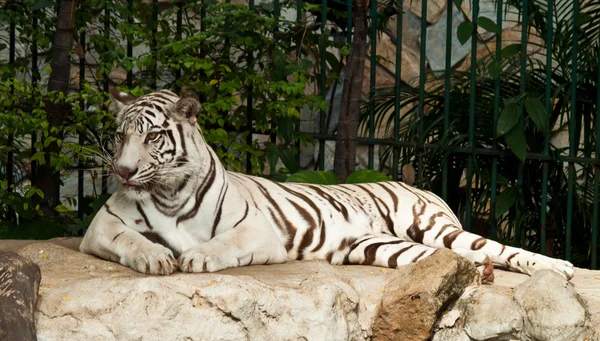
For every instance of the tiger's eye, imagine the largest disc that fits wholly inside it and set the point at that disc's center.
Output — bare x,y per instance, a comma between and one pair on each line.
153,136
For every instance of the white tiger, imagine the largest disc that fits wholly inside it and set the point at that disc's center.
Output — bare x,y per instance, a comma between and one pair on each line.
177,207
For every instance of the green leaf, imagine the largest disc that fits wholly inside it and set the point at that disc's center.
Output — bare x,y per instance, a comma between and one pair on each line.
464,32
458,3
507,198
288,157
494,69
271,155
488,25
582,19
508,118
314,177
333,62
39,4
286,129
537,112
510,51
366,176
516,142
62,209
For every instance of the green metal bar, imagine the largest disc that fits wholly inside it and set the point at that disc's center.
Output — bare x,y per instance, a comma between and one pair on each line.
276,9
447,74
10,155
299,12
477,151
548,105
572,133
594,247
422,74
373,81
106,76
154,44
249,103
129,45
472,97
349,3
520,233
276,14
178,32
35,76
323,83
81,165
494,180
396,150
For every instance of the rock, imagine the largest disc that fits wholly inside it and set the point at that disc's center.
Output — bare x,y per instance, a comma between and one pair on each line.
410,308
553,309
435,8
383,77
84,298
544,307
19,283
487,8
513,36
386,68
436,42
491,314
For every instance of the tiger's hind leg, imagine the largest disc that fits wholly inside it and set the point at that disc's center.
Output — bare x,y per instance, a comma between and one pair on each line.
440,228
392,252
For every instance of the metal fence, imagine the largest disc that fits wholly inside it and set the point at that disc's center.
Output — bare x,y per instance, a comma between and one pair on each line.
472,152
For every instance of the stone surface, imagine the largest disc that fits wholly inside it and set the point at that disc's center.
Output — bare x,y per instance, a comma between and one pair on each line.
487,8
85,298
509,37
483,320
19,283
436,42
410,308
553,309
386,69
543,307
435,8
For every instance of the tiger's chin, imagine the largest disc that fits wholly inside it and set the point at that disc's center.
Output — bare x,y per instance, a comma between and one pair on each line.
134,191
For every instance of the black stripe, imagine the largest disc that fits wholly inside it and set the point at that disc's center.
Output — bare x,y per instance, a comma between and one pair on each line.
117,236
393,260
244,217
355,245
338,206
182,139
370,251
139,208
200,193
386,217
286,223
220,208
112,213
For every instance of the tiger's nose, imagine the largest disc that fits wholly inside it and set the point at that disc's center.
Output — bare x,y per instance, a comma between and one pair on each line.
125,173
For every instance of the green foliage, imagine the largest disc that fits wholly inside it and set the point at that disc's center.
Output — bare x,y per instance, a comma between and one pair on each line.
329,178
366,176
231,57
515,123
314,177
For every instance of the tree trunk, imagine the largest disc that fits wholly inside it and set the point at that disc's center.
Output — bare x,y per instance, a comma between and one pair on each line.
48,180
19,284
347,136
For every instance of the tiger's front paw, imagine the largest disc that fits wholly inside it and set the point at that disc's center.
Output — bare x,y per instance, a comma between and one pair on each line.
201,259
154,260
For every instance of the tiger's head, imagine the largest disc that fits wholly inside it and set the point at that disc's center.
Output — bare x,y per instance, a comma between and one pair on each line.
152,139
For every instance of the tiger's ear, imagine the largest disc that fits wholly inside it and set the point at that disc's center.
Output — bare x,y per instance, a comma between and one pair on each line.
120,100
187,108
